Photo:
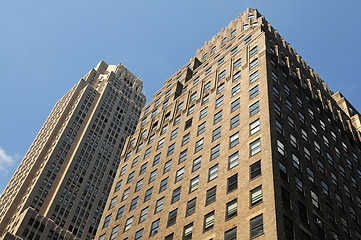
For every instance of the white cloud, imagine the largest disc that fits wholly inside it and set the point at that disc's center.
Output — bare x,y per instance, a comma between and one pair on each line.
5,160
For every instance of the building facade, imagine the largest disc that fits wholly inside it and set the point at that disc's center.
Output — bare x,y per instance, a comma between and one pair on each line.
61,186
243,142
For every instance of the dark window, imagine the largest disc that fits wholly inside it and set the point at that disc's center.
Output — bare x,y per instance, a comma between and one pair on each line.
231,234
232,183
172,217
191,207
256,225
176,195
211,195
288,227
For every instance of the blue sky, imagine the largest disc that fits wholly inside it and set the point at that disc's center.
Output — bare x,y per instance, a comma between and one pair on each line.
47,46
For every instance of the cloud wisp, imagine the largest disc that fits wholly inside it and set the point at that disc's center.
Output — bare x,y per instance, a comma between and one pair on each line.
5,160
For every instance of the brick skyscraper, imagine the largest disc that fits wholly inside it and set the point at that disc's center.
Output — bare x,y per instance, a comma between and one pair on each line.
61,186
243,142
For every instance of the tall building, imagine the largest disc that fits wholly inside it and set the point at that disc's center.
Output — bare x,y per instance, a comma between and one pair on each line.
245,141
61,186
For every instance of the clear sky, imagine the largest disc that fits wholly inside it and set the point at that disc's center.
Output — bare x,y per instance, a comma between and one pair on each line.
47,46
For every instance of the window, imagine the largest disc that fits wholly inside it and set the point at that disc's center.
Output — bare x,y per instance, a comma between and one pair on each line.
156,159
176,195
253,77
117,187
299,184
180,106
215,152
288,229
159,205
130,177
234,140
185,139
188,124
274,77
231,234
107,220
233,160
170,149
139,184
247,40
138,234
154,112
256,195
237,63
236,89
222,75
255,147
148,194
277,109
205,98
235,105
253,92
197,163
295,161
191,109
283,171
133,203
211,195
254,108
174,134
163,185
164,129
160,143
314,199
255,170
193,96
114,232
199,145
235,121
194,184
208,221
293,140
224,40
256,224
201,129
128,224
213,172
125,194
203,113
237,75
218,117
177,119
280,148
172,217
253,64
289,105
191,207
232,183
253,51
207,86
154,227
219,102
187,232
216,134
179,174
220,88
151,138
183,156
208,71
234,50
254,127
169,237
143,214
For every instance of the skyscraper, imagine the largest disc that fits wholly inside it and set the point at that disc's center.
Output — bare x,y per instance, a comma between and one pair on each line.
245,141
61,186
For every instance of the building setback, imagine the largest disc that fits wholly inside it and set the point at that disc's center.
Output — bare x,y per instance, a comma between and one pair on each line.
243,142
61,186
